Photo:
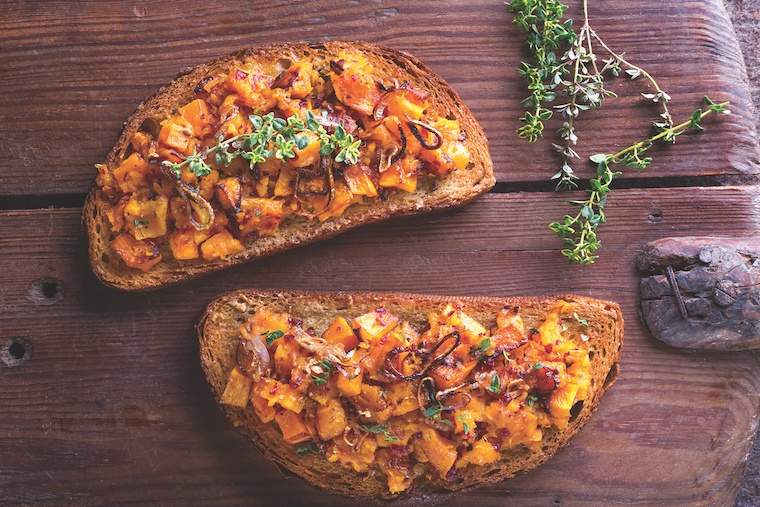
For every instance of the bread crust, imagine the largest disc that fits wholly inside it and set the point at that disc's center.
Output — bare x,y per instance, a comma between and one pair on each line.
218,335
453,190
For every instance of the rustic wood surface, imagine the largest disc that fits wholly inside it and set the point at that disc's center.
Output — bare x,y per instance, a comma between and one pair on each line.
111,407
72,72
745,15
102,398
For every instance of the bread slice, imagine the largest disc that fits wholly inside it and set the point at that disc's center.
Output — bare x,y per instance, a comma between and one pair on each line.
218,337
455,189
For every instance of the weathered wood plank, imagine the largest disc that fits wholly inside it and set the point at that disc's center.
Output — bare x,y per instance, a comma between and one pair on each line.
73,73
112,406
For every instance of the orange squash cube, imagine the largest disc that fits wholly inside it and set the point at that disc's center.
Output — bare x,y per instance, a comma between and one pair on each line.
199,117
183,245
131,173
142,255
238,389
341,333
292,426
220,245
359,182
260,215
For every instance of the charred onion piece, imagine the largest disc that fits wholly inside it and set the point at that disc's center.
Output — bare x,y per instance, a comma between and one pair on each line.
198,206
253,357
326,166
413,128
321,347
286,78
423,371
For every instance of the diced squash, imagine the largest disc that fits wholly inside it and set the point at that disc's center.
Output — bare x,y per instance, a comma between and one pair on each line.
261,406
252,87
265,320
350,386
177,133
447,376
262,186
355,90
561,402
234,122
259,215
441,452
238,389
359,182
285,185
482,453
292,427
398,481
131,174
521,423
375,324
146,219
309,154
207,184
284,395
403,397
401,175
142,255
342,200
229,193
285,354
359,460
331,419
197,114
183,245
341,333
405,105
220,245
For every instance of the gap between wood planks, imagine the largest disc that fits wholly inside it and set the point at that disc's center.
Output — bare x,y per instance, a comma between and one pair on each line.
30,202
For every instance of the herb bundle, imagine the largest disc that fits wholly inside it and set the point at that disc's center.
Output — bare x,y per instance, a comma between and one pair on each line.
273,137
579,77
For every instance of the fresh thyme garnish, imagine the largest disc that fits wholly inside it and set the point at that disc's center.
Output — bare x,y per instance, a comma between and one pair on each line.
538,366
271,336
542,19
578,231
434,410
307,448
495,385
321,378
272,137
579,75
531,400
380,429
481,348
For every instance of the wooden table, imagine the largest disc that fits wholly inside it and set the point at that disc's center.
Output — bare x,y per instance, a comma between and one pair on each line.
102,397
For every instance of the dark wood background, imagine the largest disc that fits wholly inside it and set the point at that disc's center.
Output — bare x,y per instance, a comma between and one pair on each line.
109,405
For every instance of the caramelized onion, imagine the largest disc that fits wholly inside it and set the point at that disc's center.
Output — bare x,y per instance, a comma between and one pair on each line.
393,371
413,128
326,166
320,347
198,206
253,357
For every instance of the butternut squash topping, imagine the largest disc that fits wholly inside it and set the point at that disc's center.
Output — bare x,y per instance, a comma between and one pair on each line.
373,392
261,145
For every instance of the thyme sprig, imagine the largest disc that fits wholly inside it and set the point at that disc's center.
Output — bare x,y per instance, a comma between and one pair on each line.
272,137
542,19
586,90
578,231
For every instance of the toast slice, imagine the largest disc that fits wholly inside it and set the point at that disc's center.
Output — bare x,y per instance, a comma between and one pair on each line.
218,334
452,190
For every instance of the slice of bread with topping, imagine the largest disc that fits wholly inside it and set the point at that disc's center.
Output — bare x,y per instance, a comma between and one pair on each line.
216,170
381,394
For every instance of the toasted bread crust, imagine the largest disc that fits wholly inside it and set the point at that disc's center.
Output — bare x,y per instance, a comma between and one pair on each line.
218,336
453,190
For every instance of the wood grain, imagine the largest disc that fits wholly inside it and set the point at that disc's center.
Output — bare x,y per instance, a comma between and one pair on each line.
112,407
72,72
